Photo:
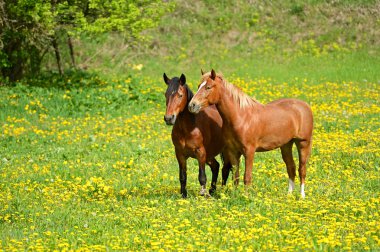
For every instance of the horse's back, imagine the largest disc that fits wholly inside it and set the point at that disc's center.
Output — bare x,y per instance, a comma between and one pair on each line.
292,105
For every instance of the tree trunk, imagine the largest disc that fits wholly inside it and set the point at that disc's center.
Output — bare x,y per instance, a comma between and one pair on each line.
35,59
71,47
57,55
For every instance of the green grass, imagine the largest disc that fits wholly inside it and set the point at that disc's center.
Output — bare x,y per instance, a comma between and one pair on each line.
355,66
104,177
87,163
329,41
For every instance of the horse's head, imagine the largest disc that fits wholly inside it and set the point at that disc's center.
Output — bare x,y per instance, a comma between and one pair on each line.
208,92
176,97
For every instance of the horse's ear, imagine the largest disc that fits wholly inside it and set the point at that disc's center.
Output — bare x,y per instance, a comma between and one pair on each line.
166,79
213,74
202,72
182,80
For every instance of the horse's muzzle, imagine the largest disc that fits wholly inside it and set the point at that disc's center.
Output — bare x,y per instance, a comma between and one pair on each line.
194,108
170,119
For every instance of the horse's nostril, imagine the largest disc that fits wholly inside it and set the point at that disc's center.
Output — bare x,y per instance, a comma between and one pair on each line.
192,107
169,119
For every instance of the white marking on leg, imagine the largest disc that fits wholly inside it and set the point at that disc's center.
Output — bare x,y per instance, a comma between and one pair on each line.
203,191
303,191
291,186
200,86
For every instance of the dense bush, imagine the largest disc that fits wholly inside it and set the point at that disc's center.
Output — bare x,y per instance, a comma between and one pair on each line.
29,29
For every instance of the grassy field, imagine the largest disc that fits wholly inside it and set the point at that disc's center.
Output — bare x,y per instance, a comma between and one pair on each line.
87,163
91,166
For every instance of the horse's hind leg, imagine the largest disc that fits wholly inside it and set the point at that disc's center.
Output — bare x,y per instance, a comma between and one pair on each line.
226,172
287,156
214,165
304,150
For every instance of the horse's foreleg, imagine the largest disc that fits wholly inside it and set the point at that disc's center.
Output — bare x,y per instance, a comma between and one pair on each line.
304,150
248,167
232,161
287,156
202,178
201,156
214,165
235,171
182,174
225,172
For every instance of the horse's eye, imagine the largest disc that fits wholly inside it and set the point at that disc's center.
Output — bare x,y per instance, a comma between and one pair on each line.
208,87
180,95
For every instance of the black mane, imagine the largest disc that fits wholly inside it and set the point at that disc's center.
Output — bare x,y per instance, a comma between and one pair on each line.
174,85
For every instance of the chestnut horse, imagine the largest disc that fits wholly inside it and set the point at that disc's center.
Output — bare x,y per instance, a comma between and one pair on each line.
249,126
197,136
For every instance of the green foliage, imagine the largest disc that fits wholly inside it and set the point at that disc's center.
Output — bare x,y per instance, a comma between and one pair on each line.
125,16
32,25
77,93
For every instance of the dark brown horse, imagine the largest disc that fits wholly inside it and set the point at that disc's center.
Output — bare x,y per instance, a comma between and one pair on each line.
249,126
197,136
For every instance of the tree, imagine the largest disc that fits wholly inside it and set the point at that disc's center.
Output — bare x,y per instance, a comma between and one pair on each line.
29,28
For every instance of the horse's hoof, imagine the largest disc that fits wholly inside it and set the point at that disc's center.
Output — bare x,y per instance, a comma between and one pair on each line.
212,191
204,193
184,195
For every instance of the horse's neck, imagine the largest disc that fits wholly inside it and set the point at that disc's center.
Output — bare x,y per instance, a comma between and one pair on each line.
227,110
230,109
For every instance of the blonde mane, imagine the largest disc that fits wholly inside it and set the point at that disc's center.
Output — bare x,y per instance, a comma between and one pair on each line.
237,94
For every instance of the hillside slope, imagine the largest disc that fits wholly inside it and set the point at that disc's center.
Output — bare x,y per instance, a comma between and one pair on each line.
250,38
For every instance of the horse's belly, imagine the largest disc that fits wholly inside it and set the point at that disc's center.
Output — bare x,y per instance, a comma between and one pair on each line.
271,143
260,149
266,147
